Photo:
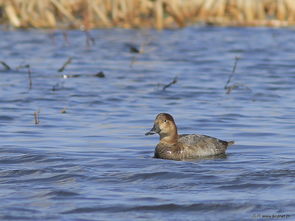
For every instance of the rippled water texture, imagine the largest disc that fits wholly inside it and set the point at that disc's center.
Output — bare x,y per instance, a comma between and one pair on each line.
88,158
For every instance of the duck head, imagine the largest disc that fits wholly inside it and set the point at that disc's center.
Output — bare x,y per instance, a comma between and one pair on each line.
165,126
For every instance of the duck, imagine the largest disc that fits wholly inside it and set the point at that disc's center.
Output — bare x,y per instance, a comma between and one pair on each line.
173,146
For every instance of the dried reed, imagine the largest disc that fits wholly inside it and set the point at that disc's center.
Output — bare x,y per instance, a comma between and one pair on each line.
89,14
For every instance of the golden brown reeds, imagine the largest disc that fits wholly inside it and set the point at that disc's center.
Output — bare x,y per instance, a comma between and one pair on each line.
89,14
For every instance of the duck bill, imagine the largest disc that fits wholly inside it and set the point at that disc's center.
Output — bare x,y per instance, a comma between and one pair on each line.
154,130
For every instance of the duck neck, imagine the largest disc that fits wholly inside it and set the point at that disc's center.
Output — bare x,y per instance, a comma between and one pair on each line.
170,138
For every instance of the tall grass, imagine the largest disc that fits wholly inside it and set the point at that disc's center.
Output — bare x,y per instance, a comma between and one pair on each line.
89,14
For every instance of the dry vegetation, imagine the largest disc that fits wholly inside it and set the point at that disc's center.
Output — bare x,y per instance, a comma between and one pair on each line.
88,14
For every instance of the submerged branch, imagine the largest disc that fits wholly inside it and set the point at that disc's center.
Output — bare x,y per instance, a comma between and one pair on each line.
100,74
65,36
133,48
64,110
228,87
36,117
30,77
171,83
90,41
6,66
232,73
237,85
29,73
69,61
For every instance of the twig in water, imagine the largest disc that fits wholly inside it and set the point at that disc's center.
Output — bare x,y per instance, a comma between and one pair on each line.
232,73
36,117
64,110
56,87
133,48
100,74
51,35
89,39
171,83
133,60
65,76
6,66
230,88
65,36
237,85
69,61
29,73
30,77
22,66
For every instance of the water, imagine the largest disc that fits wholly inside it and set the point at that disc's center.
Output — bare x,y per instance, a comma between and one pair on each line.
93,162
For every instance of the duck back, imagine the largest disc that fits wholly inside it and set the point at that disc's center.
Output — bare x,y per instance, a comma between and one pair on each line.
190,146
202,145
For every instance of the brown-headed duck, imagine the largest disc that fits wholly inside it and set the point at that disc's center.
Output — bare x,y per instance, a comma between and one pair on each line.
183,147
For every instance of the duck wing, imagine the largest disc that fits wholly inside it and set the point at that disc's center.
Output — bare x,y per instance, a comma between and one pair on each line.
202,145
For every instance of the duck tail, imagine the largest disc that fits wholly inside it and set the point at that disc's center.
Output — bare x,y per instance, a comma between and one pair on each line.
229,143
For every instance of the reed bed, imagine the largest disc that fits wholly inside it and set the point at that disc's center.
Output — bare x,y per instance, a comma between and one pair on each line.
89,14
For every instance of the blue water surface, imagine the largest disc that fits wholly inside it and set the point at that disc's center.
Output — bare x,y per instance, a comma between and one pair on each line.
88,158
